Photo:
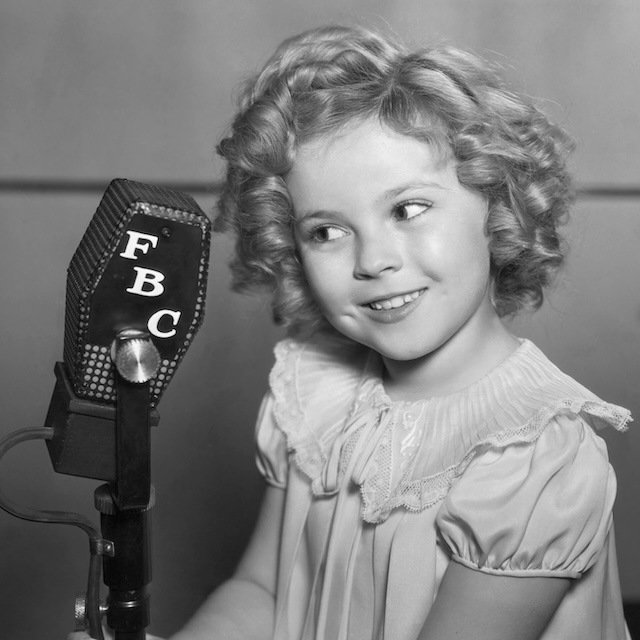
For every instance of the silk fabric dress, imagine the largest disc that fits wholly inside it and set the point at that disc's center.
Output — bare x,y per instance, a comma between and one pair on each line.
507,476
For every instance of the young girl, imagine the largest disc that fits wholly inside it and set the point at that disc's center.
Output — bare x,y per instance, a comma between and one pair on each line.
430,476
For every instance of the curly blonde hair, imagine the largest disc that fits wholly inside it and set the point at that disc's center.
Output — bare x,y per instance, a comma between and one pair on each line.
322,80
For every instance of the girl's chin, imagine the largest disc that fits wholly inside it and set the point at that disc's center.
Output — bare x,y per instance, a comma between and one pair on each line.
402,353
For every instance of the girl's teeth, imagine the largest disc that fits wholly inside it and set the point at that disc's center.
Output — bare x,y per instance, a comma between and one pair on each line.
395,302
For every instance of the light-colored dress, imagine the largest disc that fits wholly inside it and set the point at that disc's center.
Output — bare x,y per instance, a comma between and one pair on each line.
507,476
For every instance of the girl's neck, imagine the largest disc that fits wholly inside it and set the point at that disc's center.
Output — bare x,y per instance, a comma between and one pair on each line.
458,363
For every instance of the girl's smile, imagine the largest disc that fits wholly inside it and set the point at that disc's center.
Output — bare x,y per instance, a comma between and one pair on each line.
395,308
395,253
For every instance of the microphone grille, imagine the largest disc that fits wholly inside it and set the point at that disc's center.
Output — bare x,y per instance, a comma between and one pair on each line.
97,302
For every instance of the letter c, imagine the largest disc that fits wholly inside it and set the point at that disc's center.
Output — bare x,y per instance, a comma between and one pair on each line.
154,321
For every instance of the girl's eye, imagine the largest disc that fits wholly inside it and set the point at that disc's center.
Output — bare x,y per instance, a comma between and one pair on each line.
408,210
327,233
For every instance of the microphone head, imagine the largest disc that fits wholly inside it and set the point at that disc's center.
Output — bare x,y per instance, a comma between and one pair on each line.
141,265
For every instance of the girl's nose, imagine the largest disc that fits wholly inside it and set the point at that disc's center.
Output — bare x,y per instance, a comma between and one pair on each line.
375,256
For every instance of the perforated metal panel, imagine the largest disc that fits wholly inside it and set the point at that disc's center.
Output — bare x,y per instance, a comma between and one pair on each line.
126,204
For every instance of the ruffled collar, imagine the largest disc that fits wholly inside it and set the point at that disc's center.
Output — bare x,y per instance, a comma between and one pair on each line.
341,425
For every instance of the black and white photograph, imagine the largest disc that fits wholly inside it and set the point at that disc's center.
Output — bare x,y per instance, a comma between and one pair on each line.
320,320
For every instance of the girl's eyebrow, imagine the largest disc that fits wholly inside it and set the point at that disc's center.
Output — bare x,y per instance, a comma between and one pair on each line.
399,190
303,216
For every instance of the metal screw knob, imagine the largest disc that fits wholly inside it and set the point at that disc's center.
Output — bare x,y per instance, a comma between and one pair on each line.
80,612
135,356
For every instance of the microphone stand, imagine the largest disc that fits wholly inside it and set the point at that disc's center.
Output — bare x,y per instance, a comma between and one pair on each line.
125,506
113,444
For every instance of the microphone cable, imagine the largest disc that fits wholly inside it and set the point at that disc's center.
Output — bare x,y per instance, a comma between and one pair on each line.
96,542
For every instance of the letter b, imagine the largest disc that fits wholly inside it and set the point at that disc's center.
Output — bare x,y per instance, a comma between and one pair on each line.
149,277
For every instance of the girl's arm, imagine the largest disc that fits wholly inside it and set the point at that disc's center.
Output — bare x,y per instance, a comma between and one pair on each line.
480,606
243,607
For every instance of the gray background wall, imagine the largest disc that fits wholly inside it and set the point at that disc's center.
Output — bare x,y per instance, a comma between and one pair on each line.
141,89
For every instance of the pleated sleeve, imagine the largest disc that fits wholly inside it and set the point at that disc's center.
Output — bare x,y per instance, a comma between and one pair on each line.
541,508
312,387
271,445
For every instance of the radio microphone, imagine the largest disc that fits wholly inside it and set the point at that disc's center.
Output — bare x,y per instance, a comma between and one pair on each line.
135,297
139,270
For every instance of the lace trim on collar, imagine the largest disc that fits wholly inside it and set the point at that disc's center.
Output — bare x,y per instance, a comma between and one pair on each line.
331,405
425,491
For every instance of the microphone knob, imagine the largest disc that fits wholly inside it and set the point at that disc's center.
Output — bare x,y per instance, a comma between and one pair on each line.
135,356
80,612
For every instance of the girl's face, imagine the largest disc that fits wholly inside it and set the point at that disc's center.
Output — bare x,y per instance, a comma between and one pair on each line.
392,245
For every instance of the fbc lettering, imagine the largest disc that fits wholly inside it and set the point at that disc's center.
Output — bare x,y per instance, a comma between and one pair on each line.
148,282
